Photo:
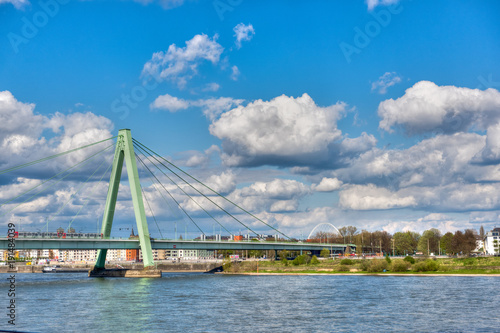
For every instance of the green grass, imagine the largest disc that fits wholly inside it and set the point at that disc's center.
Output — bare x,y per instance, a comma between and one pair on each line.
480,265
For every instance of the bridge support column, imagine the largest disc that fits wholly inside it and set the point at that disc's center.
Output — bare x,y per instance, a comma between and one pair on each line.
125,151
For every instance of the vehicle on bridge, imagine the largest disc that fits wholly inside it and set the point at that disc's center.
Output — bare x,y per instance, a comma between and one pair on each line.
64,235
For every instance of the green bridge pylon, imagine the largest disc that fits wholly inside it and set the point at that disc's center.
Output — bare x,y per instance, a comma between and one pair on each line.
125,150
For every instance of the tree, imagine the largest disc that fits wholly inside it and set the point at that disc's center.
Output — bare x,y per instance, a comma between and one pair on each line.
429,241
446,243
456,242
469,244
406,242
325,253
481,232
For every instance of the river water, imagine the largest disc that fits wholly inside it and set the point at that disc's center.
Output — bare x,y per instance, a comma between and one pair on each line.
195,302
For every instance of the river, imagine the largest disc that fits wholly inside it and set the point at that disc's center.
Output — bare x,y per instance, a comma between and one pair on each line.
196,302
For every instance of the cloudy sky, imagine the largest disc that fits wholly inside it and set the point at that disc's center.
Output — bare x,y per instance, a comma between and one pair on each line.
382,114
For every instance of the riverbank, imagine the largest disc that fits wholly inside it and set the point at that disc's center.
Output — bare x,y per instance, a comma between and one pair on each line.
482,266
76,268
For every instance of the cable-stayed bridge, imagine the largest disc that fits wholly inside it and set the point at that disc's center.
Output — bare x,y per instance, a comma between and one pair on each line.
224,212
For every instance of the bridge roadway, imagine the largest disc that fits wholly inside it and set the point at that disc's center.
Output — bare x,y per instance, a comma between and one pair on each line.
94,244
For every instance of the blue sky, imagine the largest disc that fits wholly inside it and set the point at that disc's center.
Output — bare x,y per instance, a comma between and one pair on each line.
396,131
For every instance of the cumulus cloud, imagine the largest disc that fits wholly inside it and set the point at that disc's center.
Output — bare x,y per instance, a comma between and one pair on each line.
374,3
284,130
26,136
427,107
243,32
169,103
180,64
385,81
212,107
368,197
327,185
223,183
432,162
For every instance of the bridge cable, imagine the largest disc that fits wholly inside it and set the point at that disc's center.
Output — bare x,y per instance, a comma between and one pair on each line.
53,156
203,196
180,188
72,195
217,193
178,204
88,200
77,166
152,212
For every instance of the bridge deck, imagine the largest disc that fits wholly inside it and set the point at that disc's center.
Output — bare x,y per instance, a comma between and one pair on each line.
94,244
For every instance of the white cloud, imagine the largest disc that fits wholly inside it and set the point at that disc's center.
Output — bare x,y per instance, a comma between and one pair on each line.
212,107
180,64
211,87
223,183
17,3
427,107
169,103
243,32
235,73
283,130
385,81
374,3
368,197
327,185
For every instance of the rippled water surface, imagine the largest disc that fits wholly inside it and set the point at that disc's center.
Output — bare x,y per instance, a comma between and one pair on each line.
216,303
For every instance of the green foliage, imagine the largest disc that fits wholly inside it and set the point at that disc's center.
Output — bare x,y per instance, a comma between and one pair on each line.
325,253
347,262
387,259
426,266
301,260
399,265
283,256
409,259
377,266
227,265
469,261
364,264
429,241
343,269
314,260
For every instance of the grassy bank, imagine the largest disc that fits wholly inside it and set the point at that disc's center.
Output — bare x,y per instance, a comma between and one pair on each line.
481,265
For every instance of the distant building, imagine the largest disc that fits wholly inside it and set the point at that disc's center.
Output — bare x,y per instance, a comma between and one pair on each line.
133,254
492,242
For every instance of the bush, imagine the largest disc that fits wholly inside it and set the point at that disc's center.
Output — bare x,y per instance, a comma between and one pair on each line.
387,258
301,260
409,259
364,264
426,266
343,269
325,253
400,265
377,266
314,260
347,262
